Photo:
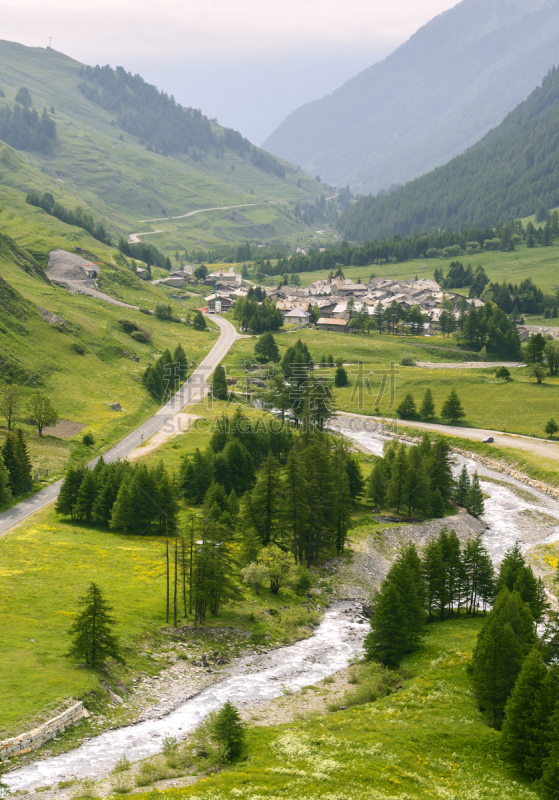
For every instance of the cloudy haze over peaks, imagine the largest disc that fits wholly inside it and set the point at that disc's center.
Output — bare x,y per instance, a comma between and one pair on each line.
246,62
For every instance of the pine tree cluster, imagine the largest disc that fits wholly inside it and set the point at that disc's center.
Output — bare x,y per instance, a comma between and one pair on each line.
257,316
417,478
15,466
295,489
24,129
120,496
446,580
165,377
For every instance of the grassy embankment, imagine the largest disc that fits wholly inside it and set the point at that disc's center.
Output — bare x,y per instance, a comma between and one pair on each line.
425,740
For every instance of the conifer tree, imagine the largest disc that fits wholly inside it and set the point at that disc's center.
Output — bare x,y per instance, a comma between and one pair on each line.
516,575
519,724
352,469
376,485
407,408
462,487
440,468
502,645
417,483
86,497
228,729
5,491
341,379
92,634
68,496
122,513
396,493
474,504
181,362
434,573
452,410
398,623
479,581
23,457
11,455
546,700
266,349
427,409
295,510
219,386
550,776
438,505
262,506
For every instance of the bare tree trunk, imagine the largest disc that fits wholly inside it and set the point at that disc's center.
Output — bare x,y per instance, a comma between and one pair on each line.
167,560
176,574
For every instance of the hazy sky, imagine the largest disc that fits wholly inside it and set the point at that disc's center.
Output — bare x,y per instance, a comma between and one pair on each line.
246,62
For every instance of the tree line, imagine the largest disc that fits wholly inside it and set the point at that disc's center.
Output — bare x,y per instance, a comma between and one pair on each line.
78,217
392,249
145,252
24,129
120,496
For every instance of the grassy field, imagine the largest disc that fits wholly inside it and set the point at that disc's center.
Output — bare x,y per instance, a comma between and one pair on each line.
519,405
45,565
425,740
538,263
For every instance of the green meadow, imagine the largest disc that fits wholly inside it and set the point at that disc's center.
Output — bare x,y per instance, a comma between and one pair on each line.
519,405
425,740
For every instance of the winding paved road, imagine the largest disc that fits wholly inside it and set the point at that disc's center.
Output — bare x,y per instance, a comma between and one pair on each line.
192,391
538,447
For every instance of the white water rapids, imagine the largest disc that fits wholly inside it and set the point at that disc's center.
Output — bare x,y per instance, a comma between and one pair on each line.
261,678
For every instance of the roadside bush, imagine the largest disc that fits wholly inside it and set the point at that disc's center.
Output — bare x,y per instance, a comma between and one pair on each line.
163,311
153,771
503,373
407,361
88,439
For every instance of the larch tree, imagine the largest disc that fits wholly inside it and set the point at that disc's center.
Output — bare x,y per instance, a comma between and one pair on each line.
502,645
474,503
427,408
452,410
519,724
92,631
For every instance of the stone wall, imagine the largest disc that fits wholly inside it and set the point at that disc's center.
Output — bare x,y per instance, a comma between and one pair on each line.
25,742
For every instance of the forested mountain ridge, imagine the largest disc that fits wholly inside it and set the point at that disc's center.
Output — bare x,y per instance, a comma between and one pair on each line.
512,172
125,151
430,100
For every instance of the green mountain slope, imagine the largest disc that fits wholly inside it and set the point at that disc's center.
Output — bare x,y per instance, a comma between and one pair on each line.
122,180
512,172
430,100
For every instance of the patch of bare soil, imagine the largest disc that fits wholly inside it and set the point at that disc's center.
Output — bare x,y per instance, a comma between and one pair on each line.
64,429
